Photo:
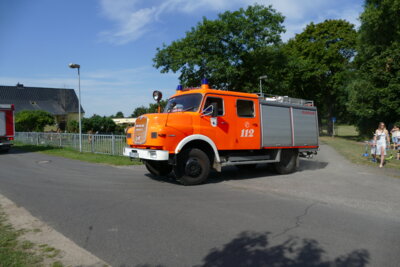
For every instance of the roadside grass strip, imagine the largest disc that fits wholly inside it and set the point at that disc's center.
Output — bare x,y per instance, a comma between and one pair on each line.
20,253
354,150
73,154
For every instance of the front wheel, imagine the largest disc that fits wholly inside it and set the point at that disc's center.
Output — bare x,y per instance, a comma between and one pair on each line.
288,163
158,168
193,167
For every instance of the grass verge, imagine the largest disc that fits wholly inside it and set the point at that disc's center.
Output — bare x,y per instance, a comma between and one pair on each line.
73,154
353,151
14,252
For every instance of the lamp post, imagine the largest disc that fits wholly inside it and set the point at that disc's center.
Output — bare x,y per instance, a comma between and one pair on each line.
262,78
77,66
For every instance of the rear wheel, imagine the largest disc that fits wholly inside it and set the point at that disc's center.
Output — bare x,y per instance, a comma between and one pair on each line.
288,163
158,168
193,167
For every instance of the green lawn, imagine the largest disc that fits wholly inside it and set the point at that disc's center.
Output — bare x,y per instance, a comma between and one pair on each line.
352,146
73,154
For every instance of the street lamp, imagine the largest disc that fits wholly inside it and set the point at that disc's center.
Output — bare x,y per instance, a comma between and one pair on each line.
262,78
77,66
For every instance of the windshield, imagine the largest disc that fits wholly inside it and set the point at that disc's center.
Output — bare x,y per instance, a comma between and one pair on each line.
183,103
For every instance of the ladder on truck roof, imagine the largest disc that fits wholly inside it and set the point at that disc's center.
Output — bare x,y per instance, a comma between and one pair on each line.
288,100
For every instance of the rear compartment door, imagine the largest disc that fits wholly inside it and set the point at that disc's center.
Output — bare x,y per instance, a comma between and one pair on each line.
2,123
305,127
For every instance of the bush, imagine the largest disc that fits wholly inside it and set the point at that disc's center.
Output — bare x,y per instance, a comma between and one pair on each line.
33,120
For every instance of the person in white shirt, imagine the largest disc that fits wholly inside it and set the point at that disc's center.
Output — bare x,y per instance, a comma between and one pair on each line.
381,138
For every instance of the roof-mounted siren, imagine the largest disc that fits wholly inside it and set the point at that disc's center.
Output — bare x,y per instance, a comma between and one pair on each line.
179,88
204,84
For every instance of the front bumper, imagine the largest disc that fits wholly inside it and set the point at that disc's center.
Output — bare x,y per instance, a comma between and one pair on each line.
6,143
148,154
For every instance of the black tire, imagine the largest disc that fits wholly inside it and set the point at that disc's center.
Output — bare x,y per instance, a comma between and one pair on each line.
193,167
246,167
158,168
288,163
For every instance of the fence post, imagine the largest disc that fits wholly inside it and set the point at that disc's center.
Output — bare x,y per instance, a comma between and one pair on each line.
113,144
60,140
92,144
37,139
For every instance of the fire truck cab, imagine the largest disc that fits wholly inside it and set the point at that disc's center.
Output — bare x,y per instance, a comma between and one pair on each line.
7,128
202,129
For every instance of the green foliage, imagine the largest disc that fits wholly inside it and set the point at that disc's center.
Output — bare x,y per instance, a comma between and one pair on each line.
232,51
119,114
380,26
72,126
32,120
319,64
375,93
99,124
152,108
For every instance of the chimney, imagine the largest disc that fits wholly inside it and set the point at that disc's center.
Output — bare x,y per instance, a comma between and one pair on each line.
19,85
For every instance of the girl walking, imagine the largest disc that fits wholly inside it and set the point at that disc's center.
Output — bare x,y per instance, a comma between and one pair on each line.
381,138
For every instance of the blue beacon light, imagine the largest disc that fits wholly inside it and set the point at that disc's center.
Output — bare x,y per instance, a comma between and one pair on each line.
179,88
204,81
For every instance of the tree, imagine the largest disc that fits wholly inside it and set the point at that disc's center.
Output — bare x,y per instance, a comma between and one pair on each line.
153,108
73,126
33,120
319,65
99,124
119,114
232,51
139,111
375,93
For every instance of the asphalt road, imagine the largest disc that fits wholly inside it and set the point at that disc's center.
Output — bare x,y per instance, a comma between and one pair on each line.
330,212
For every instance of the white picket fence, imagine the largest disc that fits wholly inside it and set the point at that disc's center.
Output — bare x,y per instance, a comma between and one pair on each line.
94,143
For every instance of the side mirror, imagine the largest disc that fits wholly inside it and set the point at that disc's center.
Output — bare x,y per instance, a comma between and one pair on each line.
171,107
211,110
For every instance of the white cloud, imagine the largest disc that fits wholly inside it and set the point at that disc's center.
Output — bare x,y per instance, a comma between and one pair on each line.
133,18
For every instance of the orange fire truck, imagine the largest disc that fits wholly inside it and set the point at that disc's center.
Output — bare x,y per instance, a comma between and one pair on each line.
202,129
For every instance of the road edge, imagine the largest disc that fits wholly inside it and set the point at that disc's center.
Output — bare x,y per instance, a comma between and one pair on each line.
38,232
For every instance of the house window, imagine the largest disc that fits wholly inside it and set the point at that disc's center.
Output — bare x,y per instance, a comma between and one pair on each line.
245,108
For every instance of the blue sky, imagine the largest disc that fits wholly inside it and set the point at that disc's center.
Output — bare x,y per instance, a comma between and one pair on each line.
114,41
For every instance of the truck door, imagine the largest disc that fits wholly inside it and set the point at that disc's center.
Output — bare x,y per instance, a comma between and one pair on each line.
219,129
247,133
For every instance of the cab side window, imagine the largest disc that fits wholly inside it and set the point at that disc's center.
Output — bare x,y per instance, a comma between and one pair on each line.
245,108
218,101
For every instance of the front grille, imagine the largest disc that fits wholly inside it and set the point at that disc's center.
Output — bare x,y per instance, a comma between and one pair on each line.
140,130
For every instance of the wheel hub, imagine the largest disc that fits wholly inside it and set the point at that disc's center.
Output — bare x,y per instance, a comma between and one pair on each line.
193,168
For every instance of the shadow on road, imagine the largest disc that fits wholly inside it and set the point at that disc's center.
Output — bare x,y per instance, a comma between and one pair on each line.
311,165
254,249
233,173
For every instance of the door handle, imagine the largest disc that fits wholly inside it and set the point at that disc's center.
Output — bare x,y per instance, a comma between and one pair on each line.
255,124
